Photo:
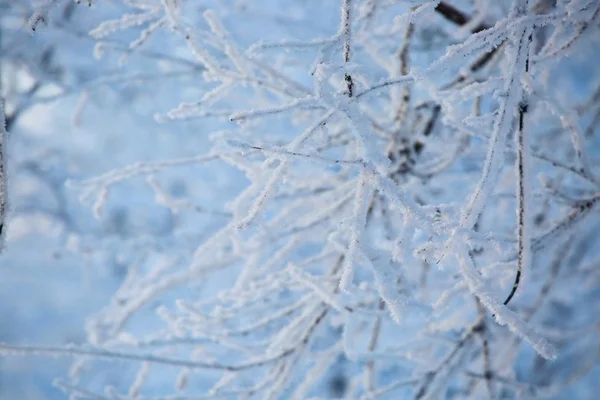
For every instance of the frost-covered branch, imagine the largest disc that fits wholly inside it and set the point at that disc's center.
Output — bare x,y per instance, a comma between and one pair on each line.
358,221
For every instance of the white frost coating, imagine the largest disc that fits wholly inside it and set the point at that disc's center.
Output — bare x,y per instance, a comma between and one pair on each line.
197,109
278,173
419,9
402,200
570,123
368,149
353,166
100,186
402,250
127,21
473,90
504,316
478,43
502,126
298,103
386,283
357,223
322,292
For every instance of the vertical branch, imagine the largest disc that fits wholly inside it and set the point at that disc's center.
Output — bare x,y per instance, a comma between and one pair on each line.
2,158
485,350
363,190
523,193
400,153
370,368
359,218
346,33
502,124
403,54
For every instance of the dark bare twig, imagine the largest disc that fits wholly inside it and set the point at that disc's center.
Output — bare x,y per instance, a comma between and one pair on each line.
522,223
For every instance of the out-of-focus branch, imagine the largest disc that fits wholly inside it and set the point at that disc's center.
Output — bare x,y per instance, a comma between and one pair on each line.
458,17
2,158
